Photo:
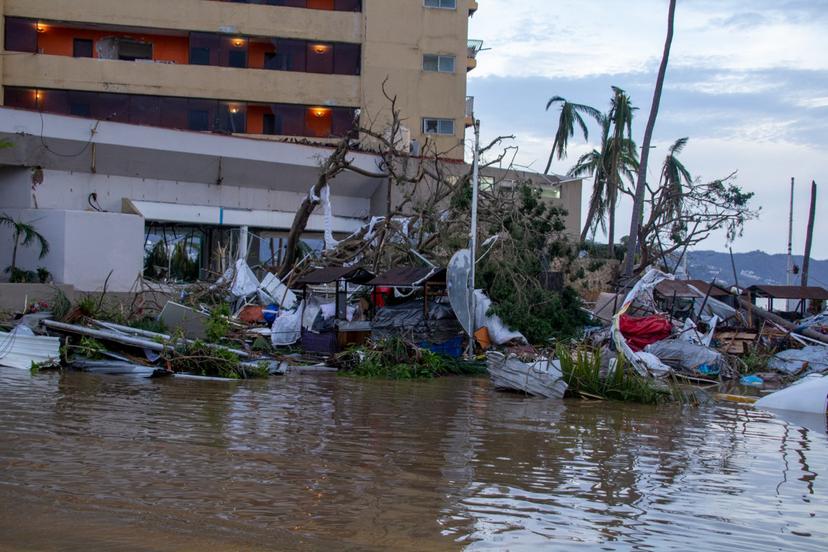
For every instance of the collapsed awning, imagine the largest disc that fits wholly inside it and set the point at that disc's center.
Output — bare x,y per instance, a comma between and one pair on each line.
220,216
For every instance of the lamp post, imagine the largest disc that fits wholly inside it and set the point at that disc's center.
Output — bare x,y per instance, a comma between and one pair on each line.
473,235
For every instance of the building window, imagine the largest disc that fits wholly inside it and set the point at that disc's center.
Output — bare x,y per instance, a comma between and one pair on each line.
130,50
198,119
269,124
347,59
438,126
320,57
82,48
21,35
442,64
445,4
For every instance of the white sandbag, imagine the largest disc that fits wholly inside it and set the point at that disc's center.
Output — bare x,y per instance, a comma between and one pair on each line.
244,281
809,394
287,328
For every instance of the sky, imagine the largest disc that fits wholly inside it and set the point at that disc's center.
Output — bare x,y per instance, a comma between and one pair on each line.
747,82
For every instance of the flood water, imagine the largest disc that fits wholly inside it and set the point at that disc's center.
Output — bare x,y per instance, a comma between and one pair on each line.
325,462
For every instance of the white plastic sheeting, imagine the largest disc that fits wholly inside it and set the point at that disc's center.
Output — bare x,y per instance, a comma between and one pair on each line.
809,394
21,347
327,211
458,291
813,358
244,281
287,327
642,295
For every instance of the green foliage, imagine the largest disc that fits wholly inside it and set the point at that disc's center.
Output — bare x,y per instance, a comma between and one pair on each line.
197,358
88,306
60,304
754,361
148,323
396,358
156,262
595,265
511,275
182,265
582,373
89,348
23,234
217,326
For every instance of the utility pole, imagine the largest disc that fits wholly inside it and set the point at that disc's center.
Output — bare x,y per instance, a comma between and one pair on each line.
473,235
809,235
789,275
790,235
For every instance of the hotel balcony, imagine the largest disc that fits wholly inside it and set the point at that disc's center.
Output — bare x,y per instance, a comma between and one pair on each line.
473,47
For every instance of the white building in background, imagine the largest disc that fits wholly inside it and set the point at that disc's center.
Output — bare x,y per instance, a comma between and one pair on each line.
103,193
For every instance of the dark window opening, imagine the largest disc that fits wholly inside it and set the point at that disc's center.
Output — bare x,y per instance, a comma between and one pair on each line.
269,124
82,48
198,119
130,50
199,56
237,58
80,109
21,35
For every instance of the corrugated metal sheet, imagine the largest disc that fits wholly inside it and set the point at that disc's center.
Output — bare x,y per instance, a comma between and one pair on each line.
677,288
701,285
789,292
331,274
409,276
19,351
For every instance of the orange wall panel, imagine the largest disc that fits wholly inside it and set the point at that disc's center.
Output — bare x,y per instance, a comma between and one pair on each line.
321,4
59,41
255,118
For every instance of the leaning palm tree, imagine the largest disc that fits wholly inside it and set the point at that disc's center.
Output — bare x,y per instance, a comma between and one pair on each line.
570,115
29,235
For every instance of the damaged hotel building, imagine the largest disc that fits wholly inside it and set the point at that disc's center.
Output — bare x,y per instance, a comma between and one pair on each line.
134,122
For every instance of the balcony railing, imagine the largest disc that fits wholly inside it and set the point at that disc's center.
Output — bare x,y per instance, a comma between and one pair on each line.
472,48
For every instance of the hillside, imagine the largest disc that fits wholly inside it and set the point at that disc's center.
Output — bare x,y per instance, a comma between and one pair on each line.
755,267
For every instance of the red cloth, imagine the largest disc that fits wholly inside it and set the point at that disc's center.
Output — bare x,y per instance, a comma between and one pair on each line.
641,331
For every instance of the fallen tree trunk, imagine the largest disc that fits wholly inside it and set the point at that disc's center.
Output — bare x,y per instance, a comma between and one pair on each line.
765,315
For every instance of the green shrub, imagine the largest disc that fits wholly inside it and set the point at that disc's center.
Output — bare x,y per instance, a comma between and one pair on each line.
582,373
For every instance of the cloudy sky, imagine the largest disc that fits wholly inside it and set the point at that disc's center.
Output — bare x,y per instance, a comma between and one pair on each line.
747,82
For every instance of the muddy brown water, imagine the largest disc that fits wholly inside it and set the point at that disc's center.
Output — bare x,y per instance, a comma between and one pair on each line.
324,462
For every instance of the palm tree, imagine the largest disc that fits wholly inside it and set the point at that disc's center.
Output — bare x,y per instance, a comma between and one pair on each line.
620,149
674,177
641,181
29,235
571,114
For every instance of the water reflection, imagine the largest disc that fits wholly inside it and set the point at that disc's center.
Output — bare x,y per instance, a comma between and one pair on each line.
324,461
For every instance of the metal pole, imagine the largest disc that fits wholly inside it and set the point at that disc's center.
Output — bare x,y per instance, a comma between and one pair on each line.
790,244
473,235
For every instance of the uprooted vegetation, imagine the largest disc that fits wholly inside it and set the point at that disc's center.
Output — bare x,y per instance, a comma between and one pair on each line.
397,358
582,371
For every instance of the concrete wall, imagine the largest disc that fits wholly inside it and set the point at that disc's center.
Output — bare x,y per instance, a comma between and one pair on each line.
70,190
199,15
84,247
193,81
397,34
